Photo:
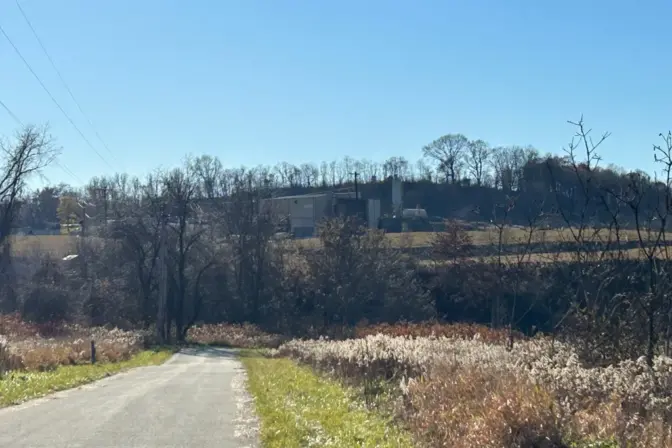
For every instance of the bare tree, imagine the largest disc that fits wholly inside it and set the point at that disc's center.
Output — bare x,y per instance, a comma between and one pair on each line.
508,163
138,228
396,167
424,171
208,171
324,174
31,151
248,229
650,203
447,151
310,174
478,153
181,188
596,317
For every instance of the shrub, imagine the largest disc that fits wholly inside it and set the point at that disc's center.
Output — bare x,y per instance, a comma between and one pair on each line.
472,407
427,329
233,335
452,243
72,346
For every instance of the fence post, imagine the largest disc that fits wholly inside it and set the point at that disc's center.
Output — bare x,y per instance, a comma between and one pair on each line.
93,352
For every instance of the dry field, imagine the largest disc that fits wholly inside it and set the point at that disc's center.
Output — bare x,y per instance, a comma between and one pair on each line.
558,257
62,245
56,245
490,236
464,389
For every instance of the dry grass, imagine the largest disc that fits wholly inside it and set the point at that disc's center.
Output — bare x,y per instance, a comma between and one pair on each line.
234,335
486,409
435,329
460,392
55,245
663,253
490,236
45,347
62,245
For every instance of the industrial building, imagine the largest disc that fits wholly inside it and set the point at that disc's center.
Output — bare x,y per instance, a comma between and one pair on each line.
305,212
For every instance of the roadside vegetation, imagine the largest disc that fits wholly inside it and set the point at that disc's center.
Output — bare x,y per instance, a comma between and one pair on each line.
38,359
298,408
22,385
234,335
43,347
467,389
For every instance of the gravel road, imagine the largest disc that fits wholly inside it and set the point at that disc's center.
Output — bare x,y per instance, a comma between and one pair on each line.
196,399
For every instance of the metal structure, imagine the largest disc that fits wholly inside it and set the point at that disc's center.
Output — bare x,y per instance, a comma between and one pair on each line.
397,195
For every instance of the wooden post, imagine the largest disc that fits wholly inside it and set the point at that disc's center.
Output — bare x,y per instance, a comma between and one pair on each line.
93,352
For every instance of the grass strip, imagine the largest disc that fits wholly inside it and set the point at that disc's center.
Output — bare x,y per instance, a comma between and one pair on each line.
298,408
17,387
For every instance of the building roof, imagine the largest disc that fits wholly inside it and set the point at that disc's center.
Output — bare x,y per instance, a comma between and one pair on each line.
303,196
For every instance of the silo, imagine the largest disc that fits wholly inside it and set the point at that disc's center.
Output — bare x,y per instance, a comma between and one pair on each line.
397,195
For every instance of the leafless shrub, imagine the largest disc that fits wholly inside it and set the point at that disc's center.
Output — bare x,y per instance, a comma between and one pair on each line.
453,243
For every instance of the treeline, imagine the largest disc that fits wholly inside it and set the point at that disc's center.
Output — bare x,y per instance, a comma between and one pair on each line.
455,178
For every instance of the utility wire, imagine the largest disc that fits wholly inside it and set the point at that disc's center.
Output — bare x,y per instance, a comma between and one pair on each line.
65,84
18,52
56,162
11,114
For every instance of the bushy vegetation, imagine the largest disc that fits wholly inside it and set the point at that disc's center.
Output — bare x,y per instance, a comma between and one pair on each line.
436,329
465,392
44,347
234,335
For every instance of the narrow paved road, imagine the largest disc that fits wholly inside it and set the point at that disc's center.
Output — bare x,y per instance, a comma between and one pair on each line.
196,399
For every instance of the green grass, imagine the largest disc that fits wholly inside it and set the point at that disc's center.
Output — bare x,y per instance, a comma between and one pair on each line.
17,387
297,408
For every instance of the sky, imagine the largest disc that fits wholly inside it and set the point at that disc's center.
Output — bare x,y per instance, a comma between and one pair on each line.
258,82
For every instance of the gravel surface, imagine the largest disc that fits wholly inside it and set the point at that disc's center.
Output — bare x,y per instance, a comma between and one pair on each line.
196,399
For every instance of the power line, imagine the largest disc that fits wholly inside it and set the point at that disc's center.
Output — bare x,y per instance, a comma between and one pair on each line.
65,84
56,162
18,52
68,171
11,114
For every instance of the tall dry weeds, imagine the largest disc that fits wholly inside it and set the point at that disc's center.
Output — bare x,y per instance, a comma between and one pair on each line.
461,392
27,346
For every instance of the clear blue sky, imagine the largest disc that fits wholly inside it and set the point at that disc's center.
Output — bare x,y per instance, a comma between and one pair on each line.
256,82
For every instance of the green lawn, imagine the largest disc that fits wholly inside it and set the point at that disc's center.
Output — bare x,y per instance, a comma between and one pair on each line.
17,387
297,408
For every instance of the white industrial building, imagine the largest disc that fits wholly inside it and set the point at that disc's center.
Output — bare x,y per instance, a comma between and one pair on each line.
304,212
